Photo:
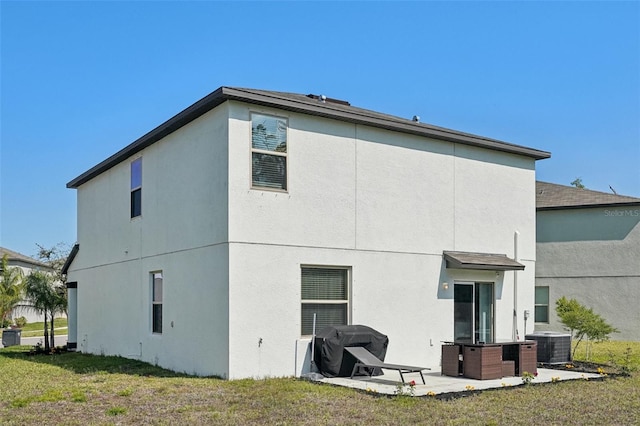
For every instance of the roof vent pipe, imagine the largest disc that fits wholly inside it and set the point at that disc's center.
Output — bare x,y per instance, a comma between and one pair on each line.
323,98
416,118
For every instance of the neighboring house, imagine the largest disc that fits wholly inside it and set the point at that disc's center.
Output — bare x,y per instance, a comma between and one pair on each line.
26,264
208,244
588,248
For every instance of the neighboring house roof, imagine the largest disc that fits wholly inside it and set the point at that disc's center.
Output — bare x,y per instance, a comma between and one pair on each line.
551,196
15,257
305,104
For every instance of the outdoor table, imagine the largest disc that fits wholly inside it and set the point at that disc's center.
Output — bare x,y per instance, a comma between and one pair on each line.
484,361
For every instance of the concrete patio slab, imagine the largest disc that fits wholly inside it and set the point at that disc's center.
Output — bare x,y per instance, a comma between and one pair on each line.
437,384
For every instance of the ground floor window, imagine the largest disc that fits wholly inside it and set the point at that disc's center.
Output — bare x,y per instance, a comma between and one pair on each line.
542,304
156,302
325,293
473,311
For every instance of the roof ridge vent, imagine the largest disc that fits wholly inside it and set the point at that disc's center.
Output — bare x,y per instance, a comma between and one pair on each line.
324,99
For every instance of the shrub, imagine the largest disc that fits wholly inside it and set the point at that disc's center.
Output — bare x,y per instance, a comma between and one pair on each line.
582,322
21,322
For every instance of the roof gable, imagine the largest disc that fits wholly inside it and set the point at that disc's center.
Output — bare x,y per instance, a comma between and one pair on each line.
304,104
19,257
551,196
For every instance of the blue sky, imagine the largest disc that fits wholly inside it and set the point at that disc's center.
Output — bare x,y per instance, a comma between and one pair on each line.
81,80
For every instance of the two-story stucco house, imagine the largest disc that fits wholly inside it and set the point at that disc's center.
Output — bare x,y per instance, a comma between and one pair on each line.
588,249
208,244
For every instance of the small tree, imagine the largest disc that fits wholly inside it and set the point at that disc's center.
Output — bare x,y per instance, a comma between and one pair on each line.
11,289
582,322
578,183
55,258
38,289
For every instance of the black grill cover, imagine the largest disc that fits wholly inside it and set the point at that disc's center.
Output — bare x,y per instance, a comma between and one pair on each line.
330,356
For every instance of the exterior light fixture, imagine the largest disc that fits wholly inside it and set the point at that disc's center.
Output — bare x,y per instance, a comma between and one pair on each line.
445,286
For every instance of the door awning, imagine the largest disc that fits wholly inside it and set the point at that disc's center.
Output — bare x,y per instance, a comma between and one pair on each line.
483,261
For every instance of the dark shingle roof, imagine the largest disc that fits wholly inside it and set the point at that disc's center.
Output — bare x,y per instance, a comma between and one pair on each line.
485,261
311,105
551,196
18,257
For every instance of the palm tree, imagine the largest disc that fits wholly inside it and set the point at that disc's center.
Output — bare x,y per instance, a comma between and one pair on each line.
58,306
45,298
55,258
11,288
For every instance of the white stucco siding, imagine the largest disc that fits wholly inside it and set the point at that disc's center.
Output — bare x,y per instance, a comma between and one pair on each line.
494,198
185,187
182,232
393,293
184,198
381,203
353,186
404,198
109,309
264,306
398,294
385,205
114,311
195,313
103,220
318,207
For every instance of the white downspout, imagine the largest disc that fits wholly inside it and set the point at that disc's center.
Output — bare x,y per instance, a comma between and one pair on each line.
515,335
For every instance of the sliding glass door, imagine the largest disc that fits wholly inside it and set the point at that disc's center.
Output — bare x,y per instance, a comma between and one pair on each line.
473,311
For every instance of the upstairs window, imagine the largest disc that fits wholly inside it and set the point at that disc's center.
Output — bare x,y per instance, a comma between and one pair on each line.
268,152
325,293
542,304
136,187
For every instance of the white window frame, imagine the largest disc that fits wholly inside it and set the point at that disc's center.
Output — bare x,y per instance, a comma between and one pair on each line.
348,270
155,303
535,320
285,154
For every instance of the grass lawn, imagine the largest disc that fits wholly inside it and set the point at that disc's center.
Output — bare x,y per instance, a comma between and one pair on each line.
82,389
36,329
